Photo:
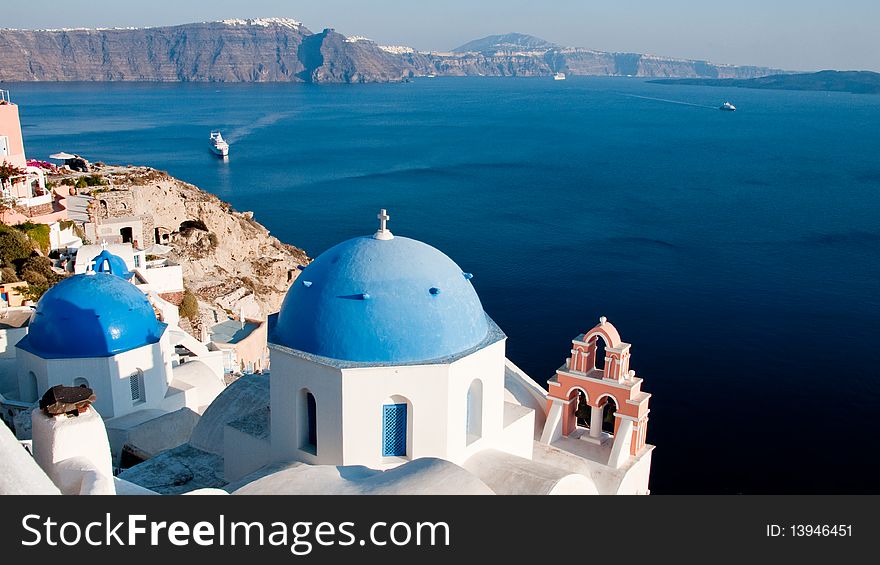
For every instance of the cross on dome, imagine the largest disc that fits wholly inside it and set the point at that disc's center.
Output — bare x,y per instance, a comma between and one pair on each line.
384,233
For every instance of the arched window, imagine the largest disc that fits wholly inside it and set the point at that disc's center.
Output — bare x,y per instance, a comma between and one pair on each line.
395,422
475,411
308,422
80,381
599,359
31,389
608,411
582,410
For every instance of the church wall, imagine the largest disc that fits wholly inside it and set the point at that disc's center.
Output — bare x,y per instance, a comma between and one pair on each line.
289,375
106,376
25,364
365,391
488,366
156,367
51,372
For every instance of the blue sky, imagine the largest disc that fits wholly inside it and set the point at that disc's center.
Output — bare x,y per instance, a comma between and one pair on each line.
797,35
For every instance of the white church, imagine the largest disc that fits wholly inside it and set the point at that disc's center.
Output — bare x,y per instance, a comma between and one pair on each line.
98,330
388,377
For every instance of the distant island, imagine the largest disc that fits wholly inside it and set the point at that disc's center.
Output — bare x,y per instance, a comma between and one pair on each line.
856,82
284,50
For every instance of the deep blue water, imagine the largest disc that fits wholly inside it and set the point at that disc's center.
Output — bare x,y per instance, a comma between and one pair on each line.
738,252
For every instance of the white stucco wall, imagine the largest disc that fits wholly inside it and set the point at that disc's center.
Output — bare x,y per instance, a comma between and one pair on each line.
290,374
366,390
8,338
487,365
63,238
106,376
162,279
349,405
74,452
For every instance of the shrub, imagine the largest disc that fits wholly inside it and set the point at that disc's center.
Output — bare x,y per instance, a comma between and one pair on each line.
94,180
14,246
8,275
32,291
34,278
37,264
38,233
189,306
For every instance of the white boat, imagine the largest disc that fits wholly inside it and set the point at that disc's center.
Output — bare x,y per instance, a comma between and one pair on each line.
559,76
728,107
218,144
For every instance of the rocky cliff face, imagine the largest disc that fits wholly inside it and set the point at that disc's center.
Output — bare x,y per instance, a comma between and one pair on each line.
195,52
280,50
229,260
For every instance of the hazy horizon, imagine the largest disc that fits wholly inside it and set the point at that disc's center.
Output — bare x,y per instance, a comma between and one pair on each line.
807,35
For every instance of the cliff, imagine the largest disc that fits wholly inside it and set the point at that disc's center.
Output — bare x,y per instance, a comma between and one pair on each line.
283,50
229,260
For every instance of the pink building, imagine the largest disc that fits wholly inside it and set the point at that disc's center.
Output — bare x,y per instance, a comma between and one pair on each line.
27,193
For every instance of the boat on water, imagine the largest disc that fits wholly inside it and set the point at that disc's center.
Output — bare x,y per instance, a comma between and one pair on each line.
218,144
728,107
559,76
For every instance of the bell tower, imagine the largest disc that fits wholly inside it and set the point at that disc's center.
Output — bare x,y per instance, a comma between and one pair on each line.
610,389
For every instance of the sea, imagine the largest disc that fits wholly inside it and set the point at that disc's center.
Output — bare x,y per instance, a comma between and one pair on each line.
739,252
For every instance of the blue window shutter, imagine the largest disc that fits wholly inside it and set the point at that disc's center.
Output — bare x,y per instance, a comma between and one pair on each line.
394,430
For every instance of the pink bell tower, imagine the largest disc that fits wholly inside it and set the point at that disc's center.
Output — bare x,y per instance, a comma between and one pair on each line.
601,383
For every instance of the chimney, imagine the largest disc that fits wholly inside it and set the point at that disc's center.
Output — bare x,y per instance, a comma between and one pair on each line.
70,442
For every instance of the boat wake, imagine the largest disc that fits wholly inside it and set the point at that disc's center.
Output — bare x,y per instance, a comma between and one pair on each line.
669,101
266,121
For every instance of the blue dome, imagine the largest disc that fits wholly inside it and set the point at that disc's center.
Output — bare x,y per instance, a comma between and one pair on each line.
106,262
92,315
382,301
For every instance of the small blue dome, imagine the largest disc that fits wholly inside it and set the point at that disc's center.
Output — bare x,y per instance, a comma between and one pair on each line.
91,315
106,262
390,301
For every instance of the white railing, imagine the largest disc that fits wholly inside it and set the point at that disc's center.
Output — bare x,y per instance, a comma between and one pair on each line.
35,201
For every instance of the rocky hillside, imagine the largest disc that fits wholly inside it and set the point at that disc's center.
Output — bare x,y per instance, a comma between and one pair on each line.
229,260
283,50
